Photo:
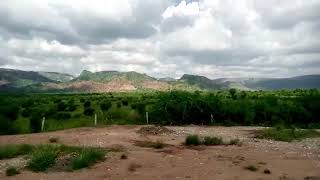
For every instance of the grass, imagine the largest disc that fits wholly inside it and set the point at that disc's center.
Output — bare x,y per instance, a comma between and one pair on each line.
252,168
88,157
11,151
11,171
192,140
43,158
149,144
287,135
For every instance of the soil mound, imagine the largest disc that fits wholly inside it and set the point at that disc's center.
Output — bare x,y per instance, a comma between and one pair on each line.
154,130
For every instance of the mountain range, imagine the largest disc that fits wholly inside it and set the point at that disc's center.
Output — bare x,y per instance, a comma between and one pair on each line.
12,80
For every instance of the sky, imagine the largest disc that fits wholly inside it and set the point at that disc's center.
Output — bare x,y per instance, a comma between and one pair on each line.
162,38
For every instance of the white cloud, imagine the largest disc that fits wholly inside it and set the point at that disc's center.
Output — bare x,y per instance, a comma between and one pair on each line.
214,38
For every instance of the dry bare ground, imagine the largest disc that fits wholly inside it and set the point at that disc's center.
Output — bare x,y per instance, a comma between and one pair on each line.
296,160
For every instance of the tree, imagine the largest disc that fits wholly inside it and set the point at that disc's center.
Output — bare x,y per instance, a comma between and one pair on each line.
87,104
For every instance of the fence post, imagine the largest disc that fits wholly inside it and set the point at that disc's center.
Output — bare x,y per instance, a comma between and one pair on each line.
95,119
147,117
211,119
42,123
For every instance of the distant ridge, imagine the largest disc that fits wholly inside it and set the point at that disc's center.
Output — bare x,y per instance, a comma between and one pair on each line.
107,81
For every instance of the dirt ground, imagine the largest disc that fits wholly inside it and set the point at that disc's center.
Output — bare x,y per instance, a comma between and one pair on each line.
295,160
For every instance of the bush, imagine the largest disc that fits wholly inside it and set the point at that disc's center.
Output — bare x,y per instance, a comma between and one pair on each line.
192,140
87,158
42,159
105,105
88,111
11,171
87,104
119,104
212,141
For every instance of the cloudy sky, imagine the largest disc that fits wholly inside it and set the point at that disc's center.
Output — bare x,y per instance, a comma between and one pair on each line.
214,38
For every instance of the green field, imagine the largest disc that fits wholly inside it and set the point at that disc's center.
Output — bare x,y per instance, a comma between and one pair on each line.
24,113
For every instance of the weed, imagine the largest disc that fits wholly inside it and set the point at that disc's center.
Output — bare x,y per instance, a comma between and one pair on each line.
192,140
251,168
11,171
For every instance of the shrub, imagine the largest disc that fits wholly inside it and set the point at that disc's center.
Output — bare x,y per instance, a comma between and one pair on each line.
88,111
192,140
42,159
11,171
212,141
119,104
87,158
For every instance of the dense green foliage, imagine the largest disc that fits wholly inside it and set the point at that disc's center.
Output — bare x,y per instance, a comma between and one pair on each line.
24,113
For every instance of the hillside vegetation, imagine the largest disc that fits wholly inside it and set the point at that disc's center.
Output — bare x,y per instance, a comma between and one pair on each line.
114,81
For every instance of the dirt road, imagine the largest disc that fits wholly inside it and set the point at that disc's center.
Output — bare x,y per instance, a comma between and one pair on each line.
296,160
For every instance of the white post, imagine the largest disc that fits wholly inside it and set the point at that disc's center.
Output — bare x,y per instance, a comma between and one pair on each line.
211,119
42,124
95,119
147,117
